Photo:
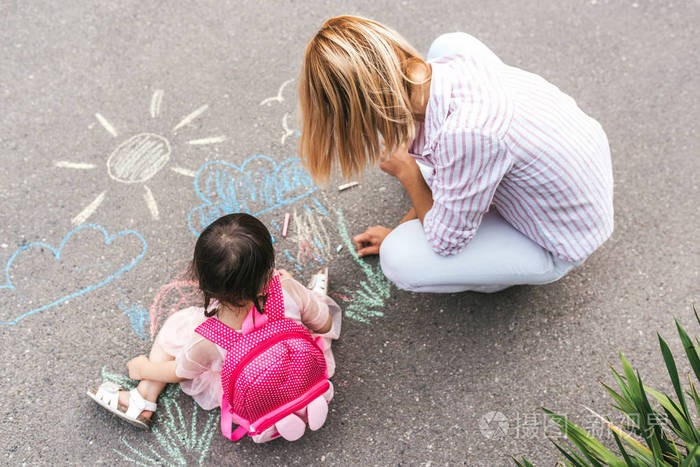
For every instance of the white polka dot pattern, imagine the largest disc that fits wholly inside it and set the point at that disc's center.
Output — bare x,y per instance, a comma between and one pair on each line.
271,366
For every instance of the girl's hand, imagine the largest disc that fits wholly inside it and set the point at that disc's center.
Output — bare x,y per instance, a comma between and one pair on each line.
400,163
137,367
370,240
284,274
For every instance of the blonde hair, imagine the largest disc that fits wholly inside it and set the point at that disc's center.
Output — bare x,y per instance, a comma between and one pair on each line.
354,87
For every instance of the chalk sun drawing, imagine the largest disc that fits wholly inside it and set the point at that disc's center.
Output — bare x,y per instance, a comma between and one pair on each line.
177,439
139,158
94,284
257,186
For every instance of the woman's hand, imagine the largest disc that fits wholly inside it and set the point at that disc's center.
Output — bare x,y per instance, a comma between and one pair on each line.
400,163
137,367
370,240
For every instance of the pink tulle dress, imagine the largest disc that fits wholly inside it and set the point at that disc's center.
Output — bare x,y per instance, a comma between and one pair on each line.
200,361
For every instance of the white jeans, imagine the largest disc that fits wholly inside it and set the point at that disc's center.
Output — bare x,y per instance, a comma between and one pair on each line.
497,257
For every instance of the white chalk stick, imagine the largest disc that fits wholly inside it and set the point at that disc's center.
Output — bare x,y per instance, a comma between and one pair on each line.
347,185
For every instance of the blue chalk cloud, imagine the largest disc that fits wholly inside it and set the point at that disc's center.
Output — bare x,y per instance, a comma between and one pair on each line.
80,269
258,185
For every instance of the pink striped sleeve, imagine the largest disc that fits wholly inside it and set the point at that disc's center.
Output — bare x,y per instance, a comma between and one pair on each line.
469,166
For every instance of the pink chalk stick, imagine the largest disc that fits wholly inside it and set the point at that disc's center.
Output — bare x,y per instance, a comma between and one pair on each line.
286,225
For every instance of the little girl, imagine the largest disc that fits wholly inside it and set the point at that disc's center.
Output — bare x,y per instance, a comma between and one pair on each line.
233,263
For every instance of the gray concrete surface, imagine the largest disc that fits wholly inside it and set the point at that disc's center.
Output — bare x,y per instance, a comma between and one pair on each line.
414,386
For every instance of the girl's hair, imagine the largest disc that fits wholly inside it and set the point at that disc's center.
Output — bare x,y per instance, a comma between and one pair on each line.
233,260
354,87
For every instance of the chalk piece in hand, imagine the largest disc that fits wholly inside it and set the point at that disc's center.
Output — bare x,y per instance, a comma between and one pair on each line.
347,185
286,225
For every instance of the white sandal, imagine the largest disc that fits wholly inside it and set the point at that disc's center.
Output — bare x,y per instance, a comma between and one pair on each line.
319,282
107,396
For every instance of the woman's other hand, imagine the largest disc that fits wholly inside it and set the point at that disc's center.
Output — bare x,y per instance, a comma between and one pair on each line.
370,240
400,163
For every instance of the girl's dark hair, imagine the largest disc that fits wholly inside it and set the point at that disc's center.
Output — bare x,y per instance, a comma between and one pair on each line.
233,260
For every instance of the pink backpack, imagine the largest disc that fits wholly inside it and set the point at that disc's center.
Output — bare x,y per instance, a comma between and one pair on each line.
274,377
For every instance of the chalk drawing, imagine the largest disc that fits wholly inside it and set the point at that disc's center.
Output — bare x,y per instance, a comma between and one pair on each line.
278,97
96,282
151,203
173,296
371,296
190,118
107,126
210,140
287,131
311,237
183,171
74,165
320,206
156,101
344,298
257,186
138,317
88,210
175,439
139,158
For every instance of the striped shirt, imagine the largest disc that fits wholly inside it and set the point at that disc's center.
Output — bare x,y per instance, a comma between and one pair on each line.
497,135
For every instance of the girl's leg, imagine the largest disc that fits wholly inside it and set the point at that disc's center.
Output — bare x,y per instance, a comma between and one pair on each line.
496,258
150,390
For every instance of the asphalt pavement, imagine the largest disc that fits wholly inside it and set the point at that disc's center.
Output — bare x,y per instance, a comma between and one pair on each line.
95,246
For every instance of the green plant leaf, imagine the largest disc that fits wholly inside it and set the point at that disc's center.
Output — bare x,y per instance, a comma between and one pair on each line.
587,444
690,350
624,405
619,432
633,461
684,426
694,395
573,458
526,463
693,457
673,373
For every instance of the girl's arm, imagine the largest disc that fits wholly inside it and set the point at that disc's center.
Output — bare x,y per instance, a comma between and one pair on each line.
143,368
314,312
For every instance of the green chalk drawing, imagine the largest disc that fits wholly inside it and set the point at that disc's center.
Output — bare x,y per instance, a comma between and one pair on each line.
370,297
177,439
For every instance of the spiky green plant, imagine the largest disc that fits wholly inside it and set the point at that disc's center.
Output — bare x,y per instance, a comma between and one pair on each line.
659,434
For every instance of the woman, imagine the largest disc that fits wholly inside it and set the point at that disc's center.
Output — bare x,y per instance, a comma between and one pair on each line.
511,183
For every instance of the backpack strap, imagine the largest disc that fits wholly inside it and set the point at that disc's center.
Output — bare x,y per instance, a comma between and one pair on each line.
274,306
214,330
227,423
